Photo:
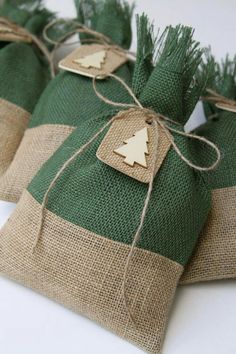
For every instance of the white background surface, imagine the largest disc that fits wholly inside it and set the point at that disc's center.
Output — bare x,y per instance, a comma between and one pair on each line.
203,318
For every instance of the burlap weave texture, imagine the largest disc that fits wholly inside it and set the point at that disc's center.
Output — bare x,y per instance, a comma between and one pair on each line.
215,254
84,272
68,100
40,142
13,122
214,257
103,207
24,72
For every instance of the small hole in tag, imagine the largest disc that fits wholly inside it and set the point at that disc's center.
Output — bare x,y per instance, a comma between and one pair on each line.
149,121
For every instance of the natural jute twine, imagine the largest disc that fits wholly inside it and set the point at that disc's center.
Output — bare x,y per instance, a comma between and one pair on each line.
157,120
17,30
220,101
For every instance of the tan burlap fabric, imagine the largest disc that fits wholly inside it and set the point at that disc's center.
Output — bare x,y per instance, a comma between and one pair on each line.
34,150
13,122
84,272
215,254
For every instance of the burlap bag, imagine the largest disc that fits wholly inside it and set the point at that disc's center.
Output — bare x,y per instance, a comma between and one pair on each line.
93,211
215,254
68,100
23,75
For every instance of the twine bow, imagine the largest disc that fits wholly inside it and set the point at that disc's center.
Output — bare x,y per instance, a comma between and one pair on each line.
9,27
220,101
98,38
158,121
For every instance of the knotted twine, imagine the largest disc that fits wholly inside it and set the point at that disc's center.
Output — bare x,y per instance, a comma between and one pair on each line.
157,120
12,28
98,38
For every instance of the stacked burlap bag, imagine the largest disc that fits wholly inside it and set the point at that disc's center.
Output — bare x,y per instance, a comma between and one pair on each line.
69,99
79,215
215,254
24,72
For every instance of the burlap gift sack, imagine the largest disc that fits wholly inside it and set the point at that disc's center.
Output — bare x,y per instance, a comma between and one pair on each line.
92,213
215,254
23,72
68,100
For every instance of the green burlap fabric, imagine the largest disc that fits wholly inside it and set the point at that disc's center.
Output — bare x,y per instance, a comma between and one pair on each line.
24,73
104,201
214,256
221,125
175,75
94,210
69,99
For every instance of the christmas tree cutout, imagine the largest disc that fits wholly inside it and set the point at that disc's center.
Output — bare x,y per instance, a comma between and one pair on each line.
135,149
94,60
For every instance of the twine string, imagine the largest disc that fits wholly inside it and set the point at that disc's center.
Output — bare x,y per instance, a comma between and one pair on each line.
220,101
113,103
79,28
59,173
157,121
216,97
140,226
11,27
162,122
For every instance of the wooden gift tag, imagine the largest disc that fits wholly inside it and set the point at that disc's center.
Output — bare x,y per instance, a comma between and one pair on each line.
13,33
92,60
129,146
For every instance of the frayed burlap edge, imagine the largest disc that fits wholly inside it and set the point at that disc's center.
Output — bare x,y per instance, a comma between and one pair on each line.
84,272
36,147
215,255
13,122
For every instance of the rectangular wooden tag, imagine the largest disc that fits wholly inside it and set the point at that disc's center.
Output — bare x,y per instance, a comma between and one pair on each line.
129,146
93,60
